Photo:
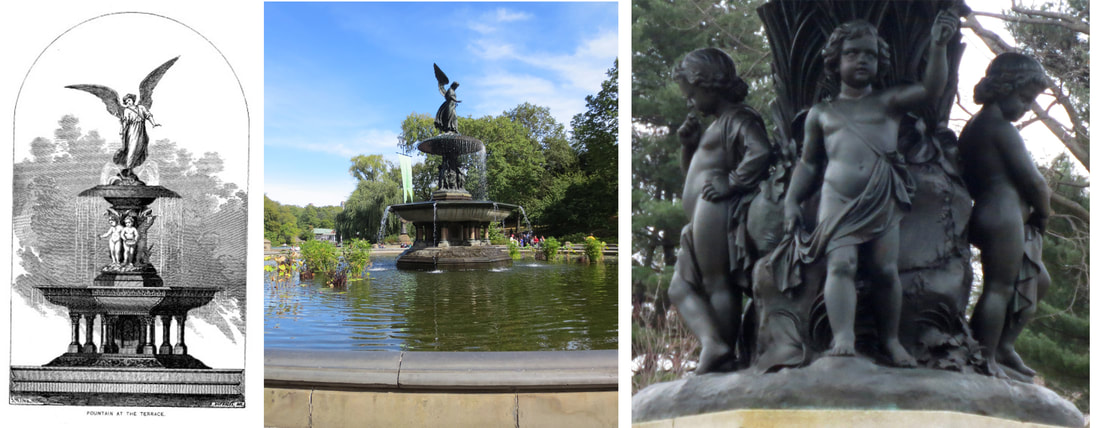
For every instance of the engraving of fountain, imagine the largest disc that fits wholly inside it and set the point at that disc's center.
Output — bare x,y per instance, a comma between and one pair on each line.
452,229
119,317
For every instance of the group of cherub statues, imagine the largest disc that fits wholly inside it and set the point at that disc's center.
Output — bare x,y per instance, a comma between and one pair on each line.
849,190
125,239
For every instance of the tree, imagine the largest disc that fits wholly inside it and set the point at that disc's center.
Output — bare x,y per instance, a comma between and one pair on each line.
378,188
589,202
1056,35
368,167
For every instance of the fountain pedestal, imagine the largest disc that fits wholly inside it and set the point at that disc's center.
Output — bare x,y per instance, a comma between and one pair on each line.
121,309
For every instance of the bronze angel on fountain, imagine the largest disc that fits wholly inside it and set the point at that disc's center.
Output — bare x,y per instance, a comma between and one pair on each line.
132,113
446,120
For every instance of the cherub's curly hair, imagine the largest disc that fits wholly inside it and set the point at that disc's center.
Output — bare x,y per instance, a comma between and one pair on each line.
1007,73
848,31
130,97
711,68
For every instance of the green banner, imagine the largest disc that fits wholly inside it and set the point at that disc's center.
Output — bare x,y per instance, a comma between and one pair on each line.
406,178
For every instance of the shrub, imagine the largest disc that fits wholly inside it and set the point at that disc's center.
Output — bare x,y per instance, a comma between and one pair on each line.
282,271
356,256
496,235
513,250
320,257
550,247
573,237
593,249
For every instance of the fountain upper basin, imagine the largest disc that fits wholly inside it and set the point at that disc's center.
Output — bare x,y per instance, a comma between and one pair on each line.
453,211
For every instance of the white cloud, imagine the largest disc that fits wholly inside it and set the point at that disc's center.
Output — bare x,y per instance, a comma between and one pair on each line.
365,141
499,16
493,50
558,81
503,15
504,91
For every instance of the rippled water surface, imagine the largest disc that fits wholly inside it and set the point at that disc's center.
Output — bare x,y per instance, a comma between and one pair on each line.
531,306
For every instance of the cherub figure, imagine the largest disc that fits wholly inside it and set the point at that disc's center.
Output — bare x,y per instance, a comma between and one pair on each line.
1011,207
446,119
130,237
114,243
132,115
723,166
850,154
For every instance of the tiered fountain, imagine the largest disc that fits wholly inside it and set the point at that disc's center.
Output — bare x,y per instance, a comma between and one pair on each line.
452,229
122,304
127,296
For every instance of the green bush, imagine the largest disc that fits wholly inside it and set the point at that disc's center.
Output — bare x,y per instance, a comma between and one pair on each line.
593,249
573,237
320,257
496,235
550,247
357,256
513,250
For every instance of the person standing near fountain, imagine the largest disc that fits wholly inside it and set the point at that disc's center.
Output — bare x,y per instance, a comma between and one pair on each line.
1011,208
723,165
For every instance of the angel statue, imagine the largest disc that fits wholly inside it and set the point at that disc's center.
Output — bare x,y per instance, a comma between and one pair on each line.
132,113
446,120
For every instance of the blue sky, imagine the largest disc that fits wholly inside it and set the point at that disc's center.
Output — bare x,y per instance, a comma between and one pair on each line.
340,77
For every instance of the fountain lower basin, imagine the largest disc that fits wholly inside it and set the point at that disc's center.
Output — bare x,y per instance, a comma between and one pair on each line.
453,234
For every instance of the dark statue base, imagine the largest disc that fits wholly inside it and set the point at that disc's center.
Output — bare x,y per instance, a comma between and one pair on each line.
148,278
164,361
855,383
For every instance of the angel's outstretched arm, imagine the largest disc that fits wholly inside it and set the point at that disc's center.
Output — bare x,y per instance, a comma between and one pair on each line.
147,115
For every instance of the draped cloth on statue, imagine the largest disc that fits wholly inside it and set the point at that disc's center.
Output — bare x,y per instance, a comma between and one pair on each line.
881,205
1026,288
135,141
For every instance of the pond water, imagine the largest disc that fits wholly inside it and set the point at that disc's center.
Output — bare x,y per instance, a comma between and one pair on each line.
531,306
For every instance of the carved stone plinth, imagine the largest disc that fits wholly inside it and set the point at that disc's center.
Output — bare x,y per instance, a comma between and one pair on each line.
855,383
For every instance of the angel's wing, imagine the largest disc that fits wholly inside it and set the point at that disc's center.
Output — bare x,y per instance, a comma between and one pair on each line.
151,81
107,95
439,76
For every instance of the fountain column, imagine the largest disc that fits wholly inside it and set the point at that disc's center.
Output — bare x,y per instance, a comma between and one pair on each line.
89,327
112,333
180,348
147,325
74,346
166,325
104,339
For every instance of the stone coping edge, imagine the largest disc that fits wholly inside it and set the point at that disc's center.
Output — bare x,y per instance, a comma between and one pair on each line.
838,418
547,371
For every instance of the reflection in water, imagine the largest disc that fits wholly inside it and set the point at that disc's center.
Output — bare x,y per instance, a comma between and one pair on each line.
528,307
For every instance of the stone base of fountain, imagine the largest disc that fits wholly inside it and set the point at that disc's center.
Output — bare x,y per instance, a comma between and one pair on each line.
109,385
77,359
451,195
454,257
129,279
